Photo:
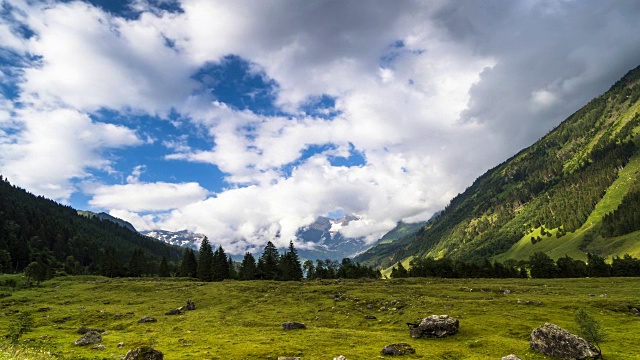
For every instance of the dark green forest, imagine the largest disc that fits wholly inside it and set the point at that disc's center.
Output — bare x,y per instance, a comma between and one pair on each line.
36,229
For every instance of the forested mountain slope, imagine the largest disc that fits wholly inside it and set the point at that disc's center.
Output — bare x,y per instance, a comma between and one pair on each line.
574,191
41,230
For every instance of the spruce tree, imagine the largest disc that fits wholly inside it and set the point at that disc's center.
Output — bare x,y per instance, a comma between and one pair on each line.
248,267
164,268
233,274
268,263
290,264
205,262
220,265
189,265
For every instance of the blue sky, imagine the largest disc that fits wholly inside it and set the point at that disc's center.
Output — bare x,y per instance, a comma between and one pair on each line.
247,119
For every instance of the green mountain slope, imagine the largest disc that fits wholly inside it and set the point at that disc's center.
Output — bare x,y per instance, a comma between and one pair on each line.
41,230
552,196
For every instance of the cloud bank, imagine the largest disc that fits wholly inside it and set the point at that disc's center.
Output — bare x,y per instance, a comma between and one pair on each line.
290,110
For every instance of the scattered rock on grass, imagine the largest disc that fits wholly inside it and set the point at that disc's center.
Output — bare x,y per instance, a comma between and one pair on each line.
99,347
341,357
91,337
292,325
370,317
144,353
552,340
174,312
120,345
147,319
511,357
190,305
635,311
434,326
398,349
288,358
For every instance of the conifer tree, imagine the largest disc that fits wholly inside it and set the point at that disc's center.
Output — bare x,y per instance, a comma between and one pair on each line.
290,264
220,265
137,263
163,271
268,263
248,267
205,263
189,265
233,274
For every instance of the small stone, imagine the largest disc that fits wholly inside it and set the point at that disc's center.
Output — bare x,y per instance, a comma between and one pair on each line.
120,345
292,325
591,294
398,349
507,292
43,309
369,306
511,357
288,358
190,305
147,319
174,312
370,317
341,357
635,311
99,347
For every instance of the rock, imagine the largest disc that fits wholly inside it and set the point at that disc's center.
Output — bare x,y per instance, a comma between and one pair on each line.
511,357
99,347
144,353
288,358
292,325
635,311
43,309
84,330
369,306
174,312
120,345
434,326
507,292
190,305
147,319
370,317
340,358
398,349
552,340
591,294
91,337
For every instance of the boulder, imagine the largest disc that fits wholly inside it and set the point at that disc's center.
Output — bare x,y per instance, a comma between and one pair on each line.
434,326
144,353
511,357
635,311
89,338
552,340
398,349
292,325
174,312
147,319
190,305
83,330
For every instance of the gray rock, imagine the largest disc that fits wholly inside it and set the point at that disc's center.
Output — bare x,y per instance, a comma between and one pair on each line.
288,358
398,349
83,330
190,305
434,326
144,353
120,345
635,311
174,312
99,347
511,357
341,357
370,317
91,337
369,306
292,325
507,292
552,340
147,319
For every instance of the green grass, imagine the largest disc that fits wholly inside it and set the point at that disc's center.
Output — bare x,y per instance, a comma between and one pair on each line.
241,320
571,243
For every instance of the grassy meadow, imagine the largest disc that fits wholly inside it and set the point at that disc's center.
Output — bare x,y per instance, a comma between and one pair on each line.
241,320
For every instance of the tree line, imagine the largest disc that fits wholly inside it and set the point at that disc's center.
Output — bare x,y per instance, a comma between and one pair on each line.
539,265
211,265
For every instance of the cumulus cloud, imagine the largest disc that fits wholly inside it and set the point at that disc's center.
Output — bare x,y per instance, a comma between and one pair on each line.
428,94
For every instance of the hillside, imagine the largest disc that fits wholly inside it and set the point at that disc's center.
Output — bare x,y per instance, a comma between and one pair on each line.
38,229
553,196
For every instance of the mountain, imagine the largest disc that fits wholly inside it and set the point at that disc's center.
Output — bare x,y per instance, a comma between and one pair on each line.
36,229
573,192
181,238
329,241
105,216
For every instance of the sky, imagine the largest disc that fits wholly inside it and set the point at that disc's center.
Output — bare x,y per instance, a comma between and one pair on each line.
246,120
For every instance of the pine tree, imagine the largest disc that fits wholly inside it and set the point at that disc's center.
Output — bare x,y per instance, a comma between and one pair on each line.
233,274
220,265
189,265
205,263
268,263
137,263
248,267
164,268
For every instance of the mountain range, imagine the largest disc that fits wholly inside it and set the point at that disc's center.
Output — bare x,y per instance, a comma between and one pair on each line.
573,192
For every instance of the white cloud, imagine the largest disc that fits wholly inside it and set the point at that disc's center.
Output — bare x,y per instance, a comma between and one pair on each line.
138,196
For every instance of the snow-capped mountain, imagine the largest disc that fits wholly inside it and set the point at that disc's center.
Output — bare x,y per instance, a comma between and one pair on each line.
182,238
330,243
